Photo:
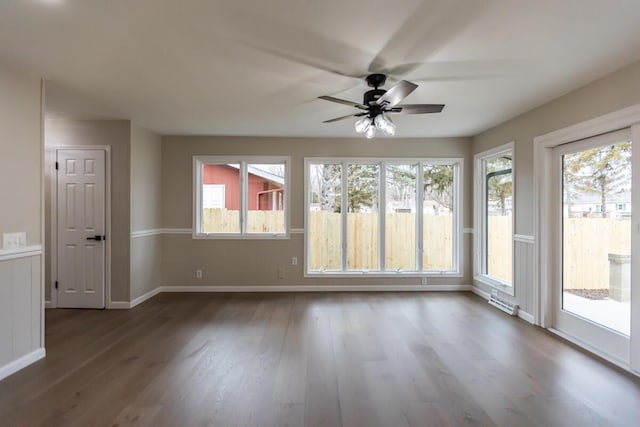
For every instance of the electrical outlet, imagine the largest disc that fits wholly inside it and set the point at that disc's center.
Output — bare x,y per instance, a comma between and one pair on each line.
294,260
14,240
424,281
280,273
198,274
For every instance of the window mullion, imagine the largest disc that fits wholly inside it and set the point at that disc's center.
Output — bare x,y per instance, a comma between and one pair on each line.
243,197
419,216
344,193
382,212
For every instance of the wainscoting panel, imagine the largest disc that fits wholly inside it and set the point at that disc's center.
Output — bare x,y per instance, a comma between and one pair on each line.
523,247
20,310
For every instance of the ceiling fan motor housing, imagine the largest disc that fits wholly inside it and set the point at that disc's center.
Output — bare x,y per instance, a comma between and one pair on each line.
371,96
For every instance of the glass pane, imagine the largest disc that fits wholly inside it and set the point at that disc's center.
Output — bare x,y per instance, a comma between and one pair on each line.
362,217
437,230
400,221
265,198
597,235
325,243
221,198
498,217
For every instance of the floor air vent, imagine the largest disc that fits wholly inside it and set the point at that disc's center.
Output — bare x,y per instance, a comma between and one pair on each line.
503,305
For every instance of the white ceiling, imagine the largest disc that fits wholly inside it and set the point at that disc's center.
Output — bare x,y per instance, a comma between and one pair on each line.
256,67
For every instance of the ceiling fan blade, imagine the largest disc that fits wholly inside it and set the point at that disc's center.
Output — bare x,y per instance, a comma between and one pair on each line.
344,117
344,101
417,108
397,93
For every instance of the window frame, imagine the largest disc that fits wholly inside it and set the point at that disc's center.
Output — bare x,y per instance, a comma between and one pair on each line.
479,215
457,232
244,161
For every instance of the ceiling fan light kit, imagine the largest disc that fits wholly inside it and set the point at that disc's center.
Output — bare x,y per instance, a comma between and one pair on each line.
378,103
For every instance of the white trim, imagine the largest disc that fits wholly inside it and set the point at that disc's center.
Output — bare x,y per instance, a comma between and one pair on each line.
22,362
48,304
607,123
620,363
175,230
481,293
390,273
147,233
123,305
542,160
523,238
297,231
142,298
479,201
527,317
457,163
318,288
21,252
243,161
118,305
545,216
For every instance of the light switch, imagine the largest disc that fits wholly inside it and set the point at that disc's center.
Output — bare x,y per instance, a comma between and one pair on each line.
14,240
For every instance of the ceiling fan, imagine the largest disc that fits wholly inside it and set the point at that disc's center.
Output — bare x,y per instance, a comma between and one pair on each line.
378,103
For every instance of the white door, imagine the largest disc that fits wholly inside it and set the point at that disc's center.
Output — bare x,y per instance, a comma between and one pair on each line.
592,296
81,228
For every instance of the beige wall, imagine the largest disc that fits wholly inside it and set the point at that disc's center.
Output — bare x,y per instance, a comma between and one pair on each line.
146,210
20,154
21,326
256,262
610,93
116,134
146,186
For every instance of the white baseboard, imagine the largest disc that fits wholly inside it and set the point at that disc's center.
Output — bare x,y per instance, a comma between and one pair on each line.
22,362
48,304
142,298
317,288
119,305
527,317
484,294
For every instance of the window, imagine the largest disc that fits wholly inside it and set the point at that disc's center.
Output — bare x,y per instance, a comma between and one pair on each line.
393,216
494,217
241,197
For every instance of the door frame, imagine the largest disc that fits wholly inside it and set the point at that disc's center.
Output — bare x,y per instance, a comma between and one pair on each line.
545,248
54,219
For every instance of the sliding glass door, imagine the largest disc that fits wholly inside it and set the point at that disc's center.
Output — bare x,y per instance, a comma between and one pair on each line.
594,209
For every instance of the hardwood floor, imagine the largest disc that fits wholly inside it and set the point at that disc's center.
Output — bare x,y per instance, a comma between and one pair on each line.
388,359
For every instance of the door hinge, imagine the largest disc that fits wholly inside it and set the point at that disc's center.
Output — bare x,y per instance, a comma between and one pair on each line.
56,284
57,166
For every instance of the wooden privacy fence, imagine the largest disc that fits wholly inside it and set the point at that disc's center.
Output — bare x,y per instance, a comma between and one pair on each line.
588,242
587,245
362,238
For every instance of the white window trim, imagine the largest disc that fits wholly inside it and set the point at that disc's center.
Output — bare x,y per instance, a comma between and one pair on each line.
458,189
479,198
243,161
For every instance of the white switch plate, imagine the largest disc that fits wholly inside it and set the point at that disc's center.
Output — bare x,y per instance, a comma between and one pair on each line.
294,260
14,240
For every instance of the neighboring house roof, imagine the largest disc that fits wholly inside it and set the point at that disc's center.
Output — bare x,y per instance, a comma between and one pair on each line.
263,174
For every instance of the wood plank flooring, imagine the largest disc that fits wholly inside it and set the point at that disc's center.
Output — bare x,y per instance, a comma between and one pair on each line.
307,359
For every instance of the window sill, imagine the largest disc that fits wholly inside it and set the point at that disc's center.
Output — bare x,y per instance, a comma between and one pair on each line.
495,283
252,236
387,274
